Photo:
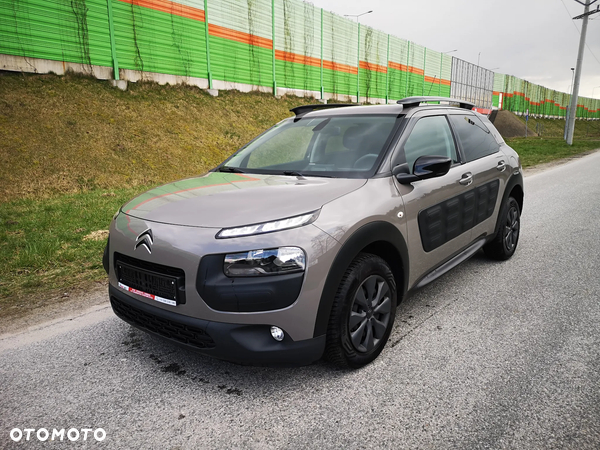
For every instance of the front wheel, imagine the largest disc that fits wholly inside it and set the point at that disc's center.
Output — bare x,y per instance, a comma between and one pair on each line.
363,312
505,243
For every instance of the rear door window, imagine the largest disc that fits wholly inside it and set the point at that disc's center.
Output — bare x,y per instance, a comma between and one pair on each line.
475,138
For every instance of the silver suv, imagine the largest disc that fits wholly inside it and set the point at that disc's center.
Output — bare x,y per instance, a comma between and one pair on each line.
304,241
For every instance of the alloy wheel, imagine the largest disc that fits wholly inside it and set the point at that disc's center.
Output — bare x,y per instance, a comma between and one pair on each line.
511,228
370,313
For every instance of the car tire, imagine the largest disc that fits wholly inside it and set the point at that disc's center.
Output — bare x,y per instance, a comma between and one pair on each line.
363,313
503,246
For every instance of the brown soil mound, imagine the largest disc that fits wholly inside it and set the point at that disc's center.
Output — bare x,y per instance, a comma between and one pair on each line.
509,125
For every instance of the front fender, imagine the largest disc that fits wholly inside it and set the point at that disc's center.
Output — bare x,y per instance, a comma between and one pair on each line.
391,242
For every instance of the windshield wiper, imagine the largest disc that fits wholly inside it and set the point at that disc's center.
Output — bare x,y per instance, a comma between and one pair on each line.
230,169
312,174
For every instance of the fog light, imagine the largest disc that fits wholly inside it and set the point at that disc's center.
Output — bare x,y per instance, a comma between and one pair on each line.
277,334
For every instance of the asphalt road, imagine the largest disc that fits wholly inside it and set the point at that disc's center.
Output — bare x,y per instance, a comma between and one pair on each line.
492,355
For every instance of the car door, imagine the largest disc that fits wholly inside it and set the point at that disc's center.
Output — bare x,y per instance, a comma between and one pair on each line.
485,170
434,208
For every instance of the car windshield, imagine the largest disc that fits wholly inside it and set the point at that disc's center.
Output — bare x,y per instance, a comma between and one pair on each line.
335,146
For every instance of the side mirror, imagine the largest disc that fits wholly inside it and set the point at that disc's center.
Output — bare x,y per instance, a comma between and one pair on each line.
425,167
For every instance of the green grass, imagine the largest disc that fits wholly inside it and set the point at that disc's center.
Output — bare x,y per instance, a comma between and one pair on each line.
540,150
555,128
71,134
51,245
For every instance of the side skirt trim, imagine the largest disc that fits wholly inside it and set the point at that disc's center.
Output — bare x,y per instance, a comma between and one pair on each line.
452,263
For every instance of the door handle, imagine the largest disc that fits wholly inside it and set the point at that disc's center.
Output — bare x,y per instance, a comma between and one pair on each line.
466,179
501,166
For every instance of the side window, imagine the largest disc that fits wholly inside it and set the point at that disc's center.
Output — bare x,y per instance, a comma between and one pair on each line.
431,136
475,139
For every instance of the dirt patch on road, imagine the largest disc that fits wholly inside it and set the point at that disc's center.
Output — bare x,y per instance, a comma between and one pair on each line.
55,306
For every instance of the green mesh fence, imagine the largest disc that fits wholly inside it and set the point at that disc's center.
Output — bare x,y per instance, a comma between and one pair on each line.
266,44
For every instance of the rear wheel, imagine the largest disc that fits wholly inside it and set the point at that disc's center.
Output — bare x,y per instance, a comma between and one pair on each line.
505,243
363,312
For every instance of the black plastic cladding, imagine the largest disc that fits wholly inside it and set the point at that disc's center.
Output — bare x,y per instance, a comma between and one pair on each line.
364,237
170,329
244,294
443,222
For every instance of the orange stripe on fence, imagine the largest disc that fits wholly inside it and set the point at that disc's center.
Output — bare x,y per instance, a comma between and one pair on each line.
416,71
315,62
296,58
396,66
496,93
239,36
410,69
434,80
339,67
169,7
403,68
373,67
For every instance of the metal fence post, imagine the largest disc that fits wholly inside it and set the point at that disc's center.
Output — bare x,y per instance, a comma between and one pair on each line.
440,80
113,46
273,45
206,36
322,87
358,69
387,74
424,67
407,68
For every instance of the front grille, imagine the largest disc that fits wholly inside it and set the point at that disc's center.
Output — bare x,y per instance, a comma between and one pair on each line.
167,328
152,267
156,279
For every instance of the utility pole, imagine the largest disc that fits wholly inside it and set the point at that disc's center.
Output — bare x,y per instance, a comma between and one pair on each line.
574,97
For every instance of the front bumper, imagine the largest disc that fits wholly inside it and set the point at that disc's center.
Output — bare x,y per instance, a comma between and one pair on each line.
247,344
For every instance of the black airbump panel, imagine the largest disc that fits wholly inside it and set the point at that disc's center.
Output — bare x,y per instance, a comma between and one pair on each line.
443,222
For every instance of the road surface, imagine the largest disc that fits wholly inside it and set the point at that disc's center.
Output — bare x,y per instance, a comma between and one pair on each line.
492,355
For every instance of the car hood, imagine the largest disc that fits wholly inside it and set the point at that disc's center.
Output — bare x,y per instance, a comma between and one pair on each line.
220,200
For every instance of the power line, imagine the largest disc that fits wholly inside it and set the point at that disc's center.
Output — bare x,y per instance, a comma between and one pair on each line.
579,31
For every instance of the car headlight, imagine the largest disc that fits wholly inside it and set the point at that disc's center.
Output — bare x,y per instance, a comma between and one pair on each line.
268,227
272,261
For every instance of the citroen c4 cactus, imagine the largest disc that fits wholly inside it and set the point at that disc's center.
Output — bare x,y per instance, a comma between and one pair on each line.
303,242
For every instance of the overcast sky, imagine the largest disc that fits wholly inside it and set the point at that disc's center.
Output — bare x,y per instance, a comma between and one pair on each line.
532,39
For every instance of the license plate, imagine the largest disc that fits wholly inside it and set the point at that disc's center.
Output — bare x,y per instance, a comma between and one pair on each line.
154,286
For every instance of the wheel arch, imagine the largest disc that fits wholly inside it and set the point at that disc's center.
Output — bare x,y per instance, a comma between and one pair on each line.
514,188
379,238
517,193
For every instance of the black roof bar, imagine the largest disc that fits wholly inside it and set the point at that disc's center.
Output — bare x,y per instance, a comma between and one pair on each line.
305,109
410,102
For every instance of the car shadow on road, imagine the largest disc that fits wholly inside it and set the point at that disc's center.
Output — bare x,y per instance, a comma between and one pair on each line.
195,370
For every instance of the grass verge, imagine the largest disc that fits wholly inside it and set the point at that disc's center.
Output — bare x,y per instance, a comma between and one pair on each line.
535,151
73,134
50,246
555,128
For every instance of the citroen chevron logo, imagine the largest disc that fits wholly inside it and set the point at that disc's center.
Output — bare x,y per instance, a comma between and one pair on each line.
144,239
